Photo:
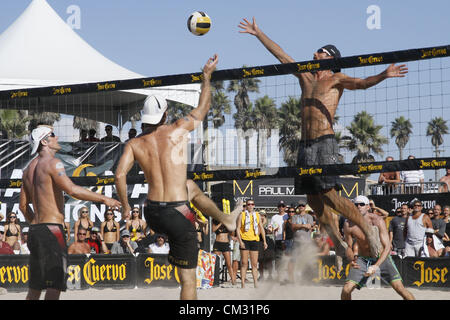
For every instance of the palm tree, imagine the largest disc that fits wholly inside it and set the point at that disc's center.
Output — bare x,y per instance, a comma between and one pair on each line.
366,138
244,122
266,118
242,102
220,105
48,118
177,110
401,130
436,128
14,122
290,130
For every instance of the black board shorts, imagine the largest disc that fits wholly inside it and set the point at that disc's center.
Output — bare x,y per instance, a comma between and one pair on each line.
177,221
323,150
48,256
221,246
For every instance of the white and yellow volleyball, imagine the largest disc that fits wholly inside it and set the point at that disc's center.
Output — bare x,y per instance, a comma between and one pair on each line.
199,23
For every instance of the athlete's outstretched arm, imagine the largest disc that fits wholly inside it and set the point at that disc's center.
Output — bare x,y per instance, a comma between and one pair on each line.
393,71
125,164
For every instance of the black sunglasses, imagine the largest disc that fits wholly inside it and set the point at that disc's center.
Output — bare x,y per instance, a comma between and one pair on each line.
360,204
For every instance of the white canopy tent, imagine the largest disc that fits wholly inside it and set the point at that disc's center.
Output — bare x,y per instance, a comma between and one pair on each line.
39,49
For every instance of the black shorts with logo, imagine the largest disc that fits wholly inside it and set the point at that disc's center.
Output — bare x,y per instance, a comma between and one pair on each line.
177,221
323,150
48,257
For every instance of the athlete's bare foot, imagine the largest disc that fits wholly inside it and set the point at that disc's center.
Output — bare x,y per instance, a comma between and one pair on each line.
230,221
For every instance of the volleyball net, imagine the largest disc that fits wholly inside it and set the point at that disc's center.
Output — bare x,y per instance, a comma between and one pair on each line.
252,130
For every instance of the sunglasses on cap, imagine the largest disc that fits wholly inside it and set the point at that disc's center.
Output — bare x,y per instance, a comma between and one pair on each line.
322,50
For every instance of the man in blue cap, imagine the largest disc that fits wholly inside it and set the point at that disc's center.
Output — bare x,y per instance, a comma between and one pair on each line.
321,92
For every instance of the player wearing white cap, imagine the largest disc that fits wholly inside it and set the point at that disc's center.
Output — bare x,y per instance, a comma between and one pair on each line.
44,181
363,266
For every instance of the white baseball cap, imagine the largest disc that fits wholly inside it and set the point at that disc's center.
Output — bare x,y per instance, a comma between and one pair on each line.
361,199
154,108
37,135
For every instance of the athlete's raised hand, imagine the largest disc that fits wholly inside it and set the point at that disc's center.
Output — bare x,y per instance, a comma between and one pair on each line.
247,27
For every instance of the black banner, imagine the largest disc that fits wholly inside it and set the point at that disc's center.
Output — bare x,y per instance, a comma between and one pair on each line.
393,201
267,192
228,74
153,270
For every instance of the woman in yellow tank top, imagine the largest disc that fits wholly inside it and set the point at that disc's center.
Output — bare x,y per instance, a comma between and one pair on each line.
250,227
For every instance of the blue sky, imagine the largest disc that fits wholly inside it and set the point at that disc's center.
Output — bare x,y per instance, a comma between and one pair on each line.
150,37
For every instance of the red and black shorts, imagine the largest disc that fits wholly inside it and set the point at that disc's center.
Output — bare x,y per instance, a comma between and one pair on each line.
177,221
48,257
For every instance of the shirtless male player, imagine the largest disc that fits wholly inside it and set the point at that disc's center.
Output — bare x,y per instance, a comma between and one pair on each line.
362,265
321,91
161,154
44,181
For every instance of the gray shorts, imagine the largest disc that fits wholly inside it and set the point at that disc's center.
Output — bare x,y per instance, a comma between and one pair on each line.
388,271
316,152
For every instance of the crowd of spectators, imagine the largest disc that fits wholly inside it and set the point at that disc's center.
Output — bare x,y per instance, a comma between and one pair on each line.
91,135
410,182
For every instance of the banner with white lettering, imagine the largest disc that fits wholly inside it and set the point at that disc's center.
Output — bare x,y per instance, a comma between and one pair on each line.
394,201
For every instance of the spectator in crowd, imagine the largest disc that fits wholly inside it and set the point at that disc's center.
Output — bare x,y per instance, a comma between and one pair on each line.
12,229
249,228
288,236
432,246
109,136
445,187
66,227
390,179
378,211
83,135
136,225
277,225
323,246
80,246
96,243
222,246
302,223
124,245
84,221
236,255
396,228
92,137
24,245
5,248
110,229
439,225
446,219
266,256
159,246
201,226
413,180
131,134
415,229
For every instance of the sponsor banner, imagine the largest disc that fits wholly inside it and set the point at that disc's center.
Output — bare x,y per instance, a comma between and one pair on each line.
268,192
393,201
112,270
426,272
14,272
154,270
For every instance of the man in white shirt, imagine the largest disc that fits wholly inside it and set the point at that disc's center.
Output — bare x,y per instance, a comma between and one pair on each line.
413,180
277,223
159,246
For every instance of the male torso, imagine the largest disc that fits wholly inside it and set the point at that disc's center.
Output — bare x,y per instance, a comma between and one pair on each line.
363,246
162,156
47,197
319,102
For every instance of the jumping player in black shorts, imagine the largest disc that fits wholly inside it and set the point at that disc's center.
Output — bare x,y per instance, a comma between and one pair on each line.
161,153
44,181
321,92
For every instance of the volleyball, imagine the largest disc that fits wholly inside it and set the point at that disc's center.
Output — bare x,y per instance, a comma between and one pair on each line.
199,23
